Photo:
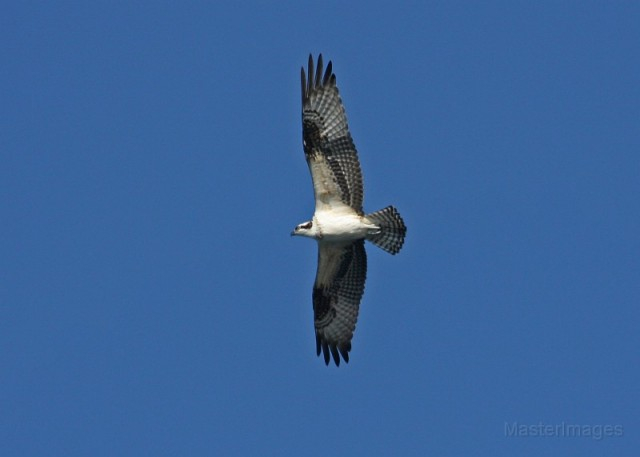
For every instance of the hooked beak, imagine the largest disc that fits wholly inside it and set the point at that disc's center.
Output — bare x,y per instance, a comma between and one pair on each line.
293,233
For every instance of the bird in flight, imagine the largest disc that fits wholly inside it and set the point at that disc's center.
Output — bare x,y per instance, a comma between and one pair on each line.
339,224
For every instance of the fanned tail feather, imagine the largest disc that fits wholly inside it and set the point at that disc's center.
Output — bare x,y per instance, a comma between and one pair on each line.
392,229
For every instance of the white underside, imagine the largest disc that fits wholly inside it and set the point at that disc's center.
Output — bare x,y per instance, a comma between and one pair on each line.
342,224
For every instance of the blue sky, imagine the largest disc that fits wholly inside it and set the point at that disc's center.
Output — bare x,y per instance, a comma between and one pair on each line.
152,301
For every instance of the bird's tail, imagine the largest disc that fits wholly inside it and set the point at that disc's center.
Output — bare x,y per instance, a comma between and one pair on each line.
392,231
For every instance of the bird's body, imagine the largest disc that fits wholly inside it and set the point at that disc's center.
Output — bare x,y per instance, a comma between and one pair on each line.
339,224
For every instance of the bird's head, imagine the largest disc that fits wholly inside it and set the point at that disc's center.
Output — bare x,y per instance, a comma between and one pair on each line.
304,229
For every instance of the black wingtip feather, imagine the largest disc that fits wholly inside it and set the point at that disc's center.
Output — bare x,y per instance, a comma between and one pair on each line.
344,351
335,354
325,352
328,74
319,71
310,82
303,81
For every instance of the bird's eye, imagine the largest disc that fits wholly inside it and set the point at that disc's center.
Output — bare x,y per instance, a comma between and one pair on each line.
307,226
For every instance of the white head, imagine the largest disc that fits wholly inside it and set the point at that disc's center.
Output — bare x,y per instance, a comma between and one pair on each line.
305,229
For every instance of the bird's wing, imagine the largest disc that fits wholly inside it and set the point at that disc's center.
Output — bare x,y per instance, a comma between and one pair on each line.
328,146
342,271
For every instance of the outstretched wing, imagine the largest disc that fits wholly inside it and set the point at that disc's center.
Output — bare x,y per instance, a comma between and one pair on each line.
328,146
342,271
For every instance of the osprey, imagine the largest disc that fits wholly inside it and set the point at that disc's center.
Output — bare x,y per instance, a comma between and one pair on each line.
339,225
